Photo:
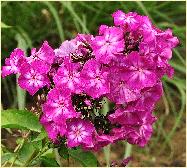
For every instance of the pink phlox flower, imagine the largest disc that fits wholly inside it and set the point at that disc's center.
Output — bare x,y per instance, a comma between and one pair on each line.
126,116
33,76
168,38
148,31
136,133
58,106
68,76
160,53
108,44
95,79
149,96
140,135
45,54
53,129
12,63
79,132
99,141
148,49
66,49
130,20
120,92
139,71
84,38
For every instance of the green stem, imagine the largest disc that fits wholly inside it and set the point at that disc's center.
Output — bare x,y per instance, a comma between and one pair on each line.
166,104
57,157
107,155
70,8
21,95
57,19
128,150
179,117
141,5
19,147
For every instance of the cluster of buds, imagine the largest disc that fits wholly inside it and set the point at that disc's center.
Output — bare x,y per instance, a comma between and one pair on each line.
123,64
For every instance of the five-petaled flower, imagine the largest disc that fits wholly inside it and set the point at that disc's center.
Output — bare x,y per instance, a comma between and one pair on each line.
13,63
108,44
79,132
95,79
68,76
58,105
33,76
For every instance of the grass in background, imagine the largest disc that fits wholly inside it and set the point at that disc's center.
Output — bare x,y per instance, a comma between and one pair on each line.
34,22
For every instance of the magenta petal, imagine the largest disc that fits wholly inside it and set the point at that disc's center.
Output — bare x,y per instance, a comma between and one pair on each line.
79,132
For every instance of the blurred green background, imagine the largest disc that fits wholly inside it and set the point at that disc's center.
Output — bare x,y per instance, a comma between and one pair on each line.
28,24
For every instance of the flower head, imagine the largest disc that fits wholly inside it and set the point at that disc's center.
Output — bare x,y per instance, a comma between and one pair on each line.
12,64
45,54
95,79
120,68
108,44
130,20
65,50
139,72
79,132
58,106
68,76
53,129
33,76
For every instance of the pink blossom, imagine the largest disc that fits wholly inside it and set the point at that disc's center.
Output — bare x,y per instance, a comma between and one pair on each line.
108,44
77,47
58,106
149,96
139,71
147,29
141,135
136,126
79,133
95,79
53,129
68,76
131,19
66,49
84,38
120,92
168,38
12,63
33,76
45,54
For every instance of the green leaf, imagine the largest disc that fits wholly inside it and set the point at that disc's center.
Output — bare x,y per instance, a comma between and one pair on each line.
87,159
6,157
48,162
48,159
3,25
63,152
22,119
41,136
19,140
26,153
37,145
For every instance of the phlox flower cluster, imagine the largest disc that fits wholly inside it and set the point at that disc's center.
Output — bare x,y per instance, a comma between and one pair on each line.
123,63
